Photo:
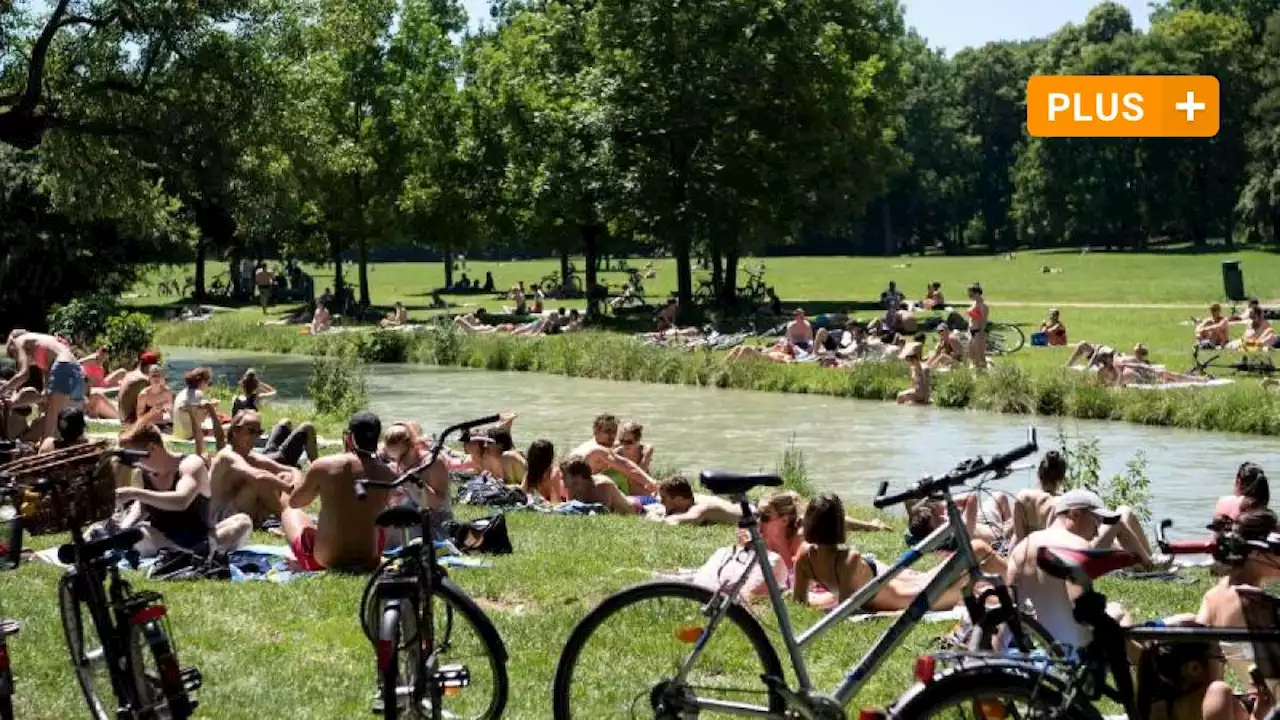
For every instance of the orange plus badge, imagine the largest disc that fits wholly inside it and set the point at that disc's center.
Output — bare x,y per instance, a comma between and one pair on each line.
1122,106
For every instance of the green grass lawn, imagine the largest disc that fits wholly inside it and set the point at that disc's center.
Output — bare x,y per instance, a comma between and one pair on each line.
297,650
824,284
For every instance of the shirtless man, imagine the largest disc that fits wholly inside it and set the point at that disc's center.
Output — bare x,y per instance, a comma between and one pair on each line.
132,384
244,480
599,455
1215,330
263,278
585,487
64,378
1078,521
685,508
345,537
800,331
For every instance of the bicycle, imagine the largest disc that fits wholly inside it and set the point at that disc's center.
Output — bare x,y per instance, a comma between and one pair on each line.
10,500
403,592
141,661
752,659
1067,687
1263,366
1004,338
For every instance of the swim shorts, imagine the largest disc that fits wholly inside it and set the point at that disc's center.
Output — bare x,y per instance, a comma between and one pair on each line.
67,378
304,548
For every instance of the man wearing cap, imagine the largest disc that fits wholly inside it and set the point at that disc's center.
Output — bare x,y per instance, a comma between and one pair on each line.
1080,521
345,537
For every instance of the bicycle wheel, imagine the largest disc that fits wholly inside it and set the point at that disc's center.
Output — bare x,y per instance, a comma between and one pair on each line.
390,680
612,667
991,693
90,663
1003,339
157,677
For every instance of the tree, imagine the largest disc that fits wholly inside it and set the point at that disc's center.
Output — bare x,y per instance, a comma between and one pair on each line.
79,71
1259,203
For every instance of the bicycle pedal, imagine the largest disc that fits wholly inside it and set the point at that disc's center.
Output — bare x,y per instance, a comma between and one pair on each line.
453,676
192,680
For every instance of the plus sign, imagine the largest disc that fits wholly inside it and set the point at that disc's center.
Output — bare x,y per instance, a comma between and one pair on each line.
1190,106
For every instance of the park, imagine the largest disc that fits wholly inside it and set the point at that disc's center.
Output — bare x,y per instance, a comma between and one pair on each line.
658,212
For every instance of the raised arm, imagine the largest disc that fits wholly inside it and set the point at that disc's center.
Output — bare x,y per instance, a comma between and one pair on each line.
21,372
306,493
262,469
639,479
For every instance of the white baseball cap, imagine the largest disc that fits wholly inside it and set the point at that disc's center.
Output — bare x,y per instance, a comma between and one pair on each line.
1080,499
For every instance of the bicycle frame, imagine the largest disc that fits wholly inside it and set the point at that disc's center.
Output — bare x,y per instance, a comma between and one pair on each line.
961,563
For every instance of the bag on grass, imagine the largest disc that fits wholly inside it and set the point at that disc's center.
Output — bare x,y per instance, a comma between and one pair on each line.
486,535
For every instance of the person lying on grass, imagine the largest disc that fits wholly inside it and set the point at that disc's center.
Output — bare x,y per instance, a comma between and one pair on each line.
243,480
826,561
1215,330
502,459
782,351
779,516
543,478
398,316
581,485
600,456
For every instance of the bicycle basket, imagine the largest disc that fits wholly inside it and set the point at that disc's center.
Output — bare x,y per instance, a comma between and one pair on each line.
88,484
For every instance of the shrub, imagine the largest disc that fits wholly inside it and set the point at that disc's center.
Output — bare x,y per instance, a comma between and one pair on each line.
337,385
83,320
1084,470
127,334
383,346
794,471
953,389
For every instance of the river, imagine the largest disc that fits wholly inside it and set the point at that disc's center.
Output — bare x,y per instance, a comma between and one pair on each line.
850,446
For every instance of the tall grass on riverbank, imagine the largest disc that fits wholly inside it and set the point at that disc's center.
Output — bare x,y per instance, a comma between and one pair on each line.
1007,388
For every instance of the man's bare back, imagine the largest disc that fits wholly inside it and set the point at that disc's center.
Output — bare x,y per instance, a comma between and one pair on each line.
345,537
707,510
131,386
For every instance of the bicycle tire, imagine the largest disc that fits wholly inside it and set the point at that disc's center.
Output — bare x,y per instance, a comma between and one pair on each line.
458,603
990,679
71,608
167,697
624,600
1005,339
388,659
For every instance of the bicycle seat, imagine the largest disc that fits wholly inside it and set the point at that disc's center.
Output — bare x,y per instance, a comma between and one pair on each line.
726,482
399,517
95,549
1070,563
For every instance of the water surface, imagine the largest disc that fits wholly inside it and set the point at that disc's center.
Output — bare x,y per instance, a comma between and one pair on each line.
850,446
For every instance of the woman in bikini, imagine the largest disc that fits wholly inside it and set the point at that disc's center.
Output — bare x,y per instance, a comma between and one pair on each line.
155,402
501,458
631,447
825,560
543,476
252,392
979,316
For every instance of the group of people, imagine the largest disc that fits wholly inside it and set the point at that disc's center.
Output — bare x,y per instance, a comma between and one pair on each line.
1215,330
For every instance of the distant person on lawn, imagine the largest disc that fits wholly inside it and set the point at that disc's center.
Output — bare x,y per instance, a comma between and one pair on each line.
264,279
1215,330
979,317
800,331
1055,332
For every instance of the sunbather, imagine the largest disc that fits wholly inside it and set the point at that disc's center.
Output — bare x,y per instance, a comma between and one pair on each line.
1033,506
1055,332
782,351
397,317
509,464
243,480
918,393
949,351
780,528
600,456
543,477
1215,330
321,319
683,507
70,431
800,331
581,485
632,447
1259,335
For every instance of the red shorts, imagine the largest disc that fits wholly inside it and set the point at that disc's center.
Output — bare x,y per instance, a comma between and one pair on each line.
304,548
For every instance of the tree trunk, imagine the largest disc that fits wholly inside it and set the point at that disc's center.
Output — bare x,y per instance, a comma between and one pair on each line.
591,248
199,291
564,268
335,255
717,268
233,272
729,291
364,270
886,217
448,267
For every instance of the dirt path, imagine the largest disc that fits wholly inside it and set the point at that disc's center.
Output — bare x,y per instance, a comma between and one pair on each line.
1138,306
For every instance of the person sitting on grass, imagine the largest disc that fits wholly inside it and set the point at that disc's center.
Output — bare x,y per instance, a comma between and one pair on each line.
154,404
667,315
1033,507
243,480
933,299
506,463
824,559
191,408
1251,490
631,446
70,431
581,485
918,393
322,319
683,507
404,450
397,317
799,333
1055,332
600,456
252,391
779,517
1215,330
949,351
1259,335
345,537
543,478
175,500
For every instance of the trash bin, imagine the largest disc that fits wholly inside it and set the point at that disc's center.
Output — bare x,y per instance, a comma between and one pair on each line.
1233,280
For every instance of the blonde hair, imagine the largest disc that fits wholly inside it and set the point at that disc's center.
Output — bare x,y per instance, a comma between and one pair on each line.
632,428
787,505
400,433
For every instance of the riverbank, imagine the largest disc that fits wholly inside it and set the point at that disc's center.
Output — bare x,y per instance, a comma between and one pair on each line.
263,646
1010,387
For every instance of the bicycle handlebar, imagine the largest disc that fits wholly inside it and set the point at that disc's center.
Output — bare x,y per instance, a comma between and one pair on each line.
1182,547
411,475
963,472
